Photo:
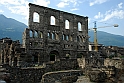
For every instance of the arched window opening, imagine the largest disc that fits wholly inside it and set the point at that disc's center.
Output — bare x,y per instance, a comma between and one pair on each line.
53,55
67,37
35,34
35,57
31,33
64,37
57,36
41,34
77,38
53,36
66,24
79,26
36,17
49,35
52,20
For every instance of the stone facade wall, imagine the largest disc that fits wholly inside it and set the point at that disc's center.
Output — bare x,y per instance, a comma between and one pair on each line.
43,39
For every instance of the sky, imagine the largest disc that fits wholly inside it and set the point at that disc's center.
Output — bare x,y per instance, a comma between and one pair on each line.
106,13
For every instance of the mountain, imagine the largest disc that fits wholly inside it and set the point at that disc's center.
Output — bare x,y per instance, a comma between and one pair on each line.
11,28
107,38
14,29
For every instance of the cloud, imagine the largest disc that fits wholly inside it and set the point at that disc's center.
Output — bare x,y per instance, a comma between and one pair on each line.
98,16
120,5
21,7
42,2
74,9
1,11
97,2
64,3
6,2
119,14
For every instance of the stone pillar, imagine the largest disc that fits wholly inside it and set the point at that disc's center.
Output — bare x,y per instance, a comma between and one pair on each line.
19,60
10,60
4,59
14,63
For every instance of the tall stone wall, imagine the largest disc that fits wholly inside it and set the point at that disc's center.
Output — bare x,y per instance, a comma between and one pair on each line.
55,33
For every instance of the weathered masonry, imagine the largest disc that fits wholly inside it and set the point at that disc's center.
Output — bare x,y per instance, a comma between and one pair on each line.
53,34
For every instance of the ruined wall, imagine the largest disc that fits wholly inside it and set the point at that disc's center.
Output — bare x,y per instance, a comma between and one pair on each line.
54,32
26,75
52,77
34,74
118,63
11,52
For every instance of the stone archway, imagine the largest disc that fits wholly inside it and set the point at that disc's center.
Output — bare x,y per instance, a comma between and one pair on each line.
53,55
35,57
79,55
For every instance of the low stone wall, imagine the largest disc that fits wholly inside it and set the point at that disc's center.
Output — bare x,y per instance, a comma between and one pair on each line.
63,64
51,77
34,74
26,75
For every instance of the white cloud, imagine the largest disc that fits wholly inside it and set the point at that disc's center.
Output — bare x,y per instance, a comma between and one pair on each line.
98,16
20,10
120,5
64,3
6,2
42,2
74,9
97,2
119,14
21,7
1,11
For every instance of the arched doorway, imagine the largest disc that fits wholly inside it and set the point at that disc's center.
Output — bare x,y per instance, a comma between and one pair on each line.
53,55
79,55
35,57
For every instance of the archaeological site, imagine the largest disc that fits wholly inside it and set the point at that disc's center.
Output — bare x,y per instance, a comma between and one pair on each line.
55,49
